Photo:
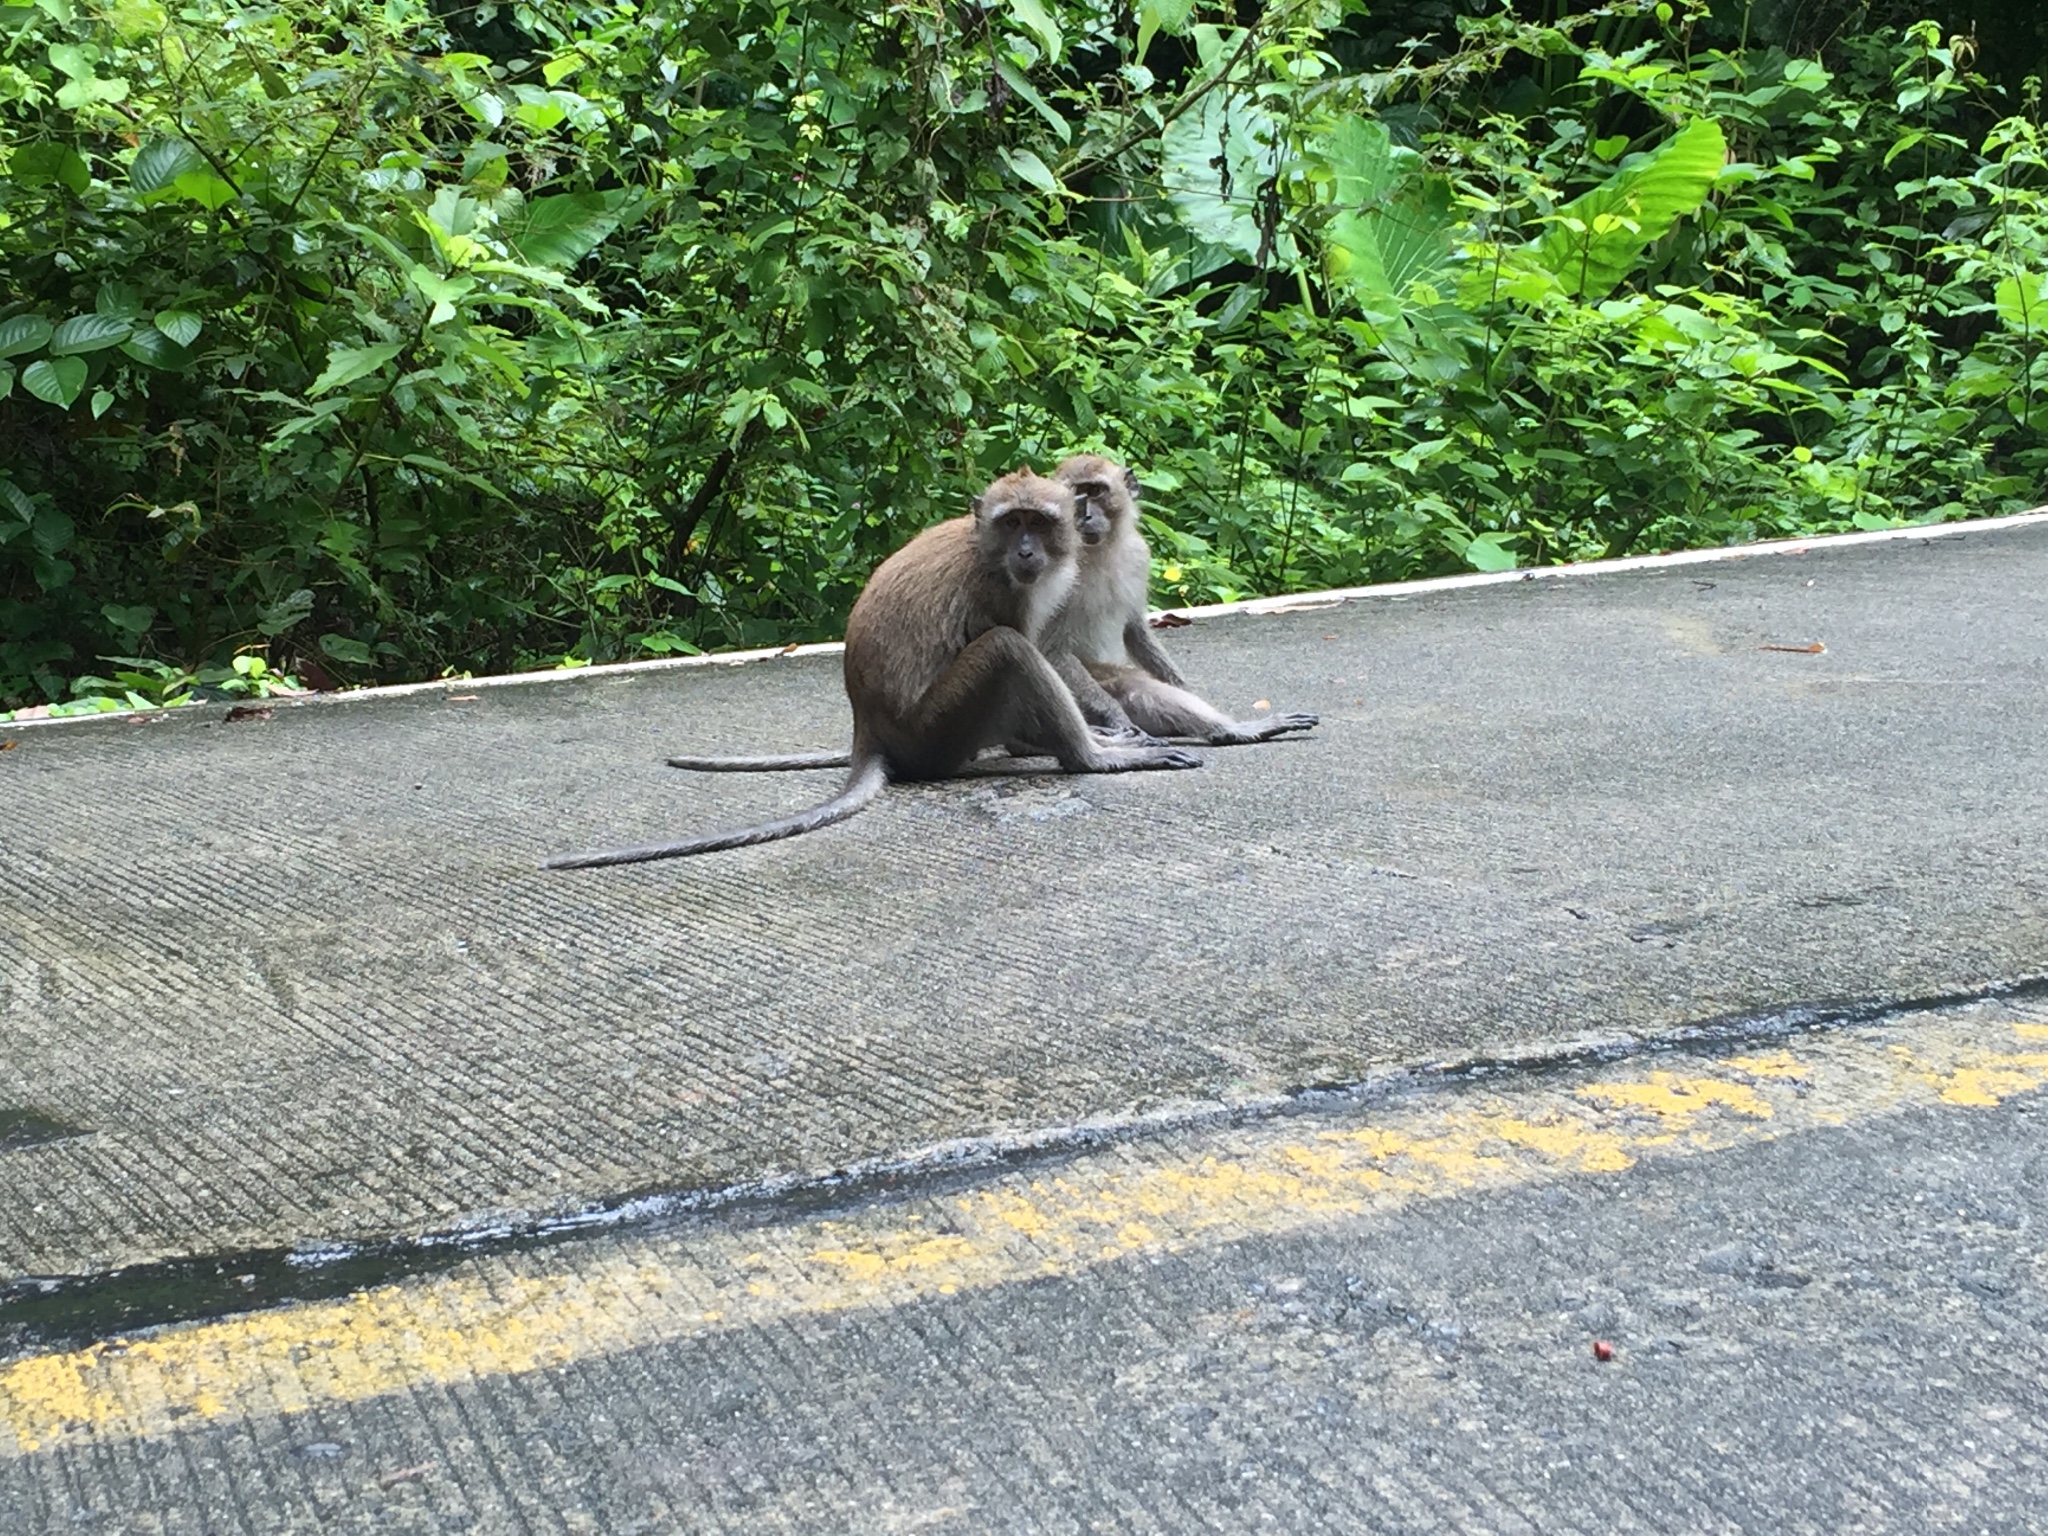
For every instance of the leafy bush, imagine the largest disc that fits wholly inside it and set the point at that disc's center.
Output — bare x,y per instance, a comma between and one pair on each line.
365,341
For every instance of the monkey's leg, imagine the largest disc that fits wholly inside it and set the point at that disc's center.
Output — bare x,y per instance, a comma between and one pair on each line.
1001,689
1145,651
1165,710
1106,719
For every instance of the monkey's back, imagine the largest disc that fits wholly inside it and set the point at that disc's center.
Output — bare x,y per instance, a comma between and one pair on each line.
917,612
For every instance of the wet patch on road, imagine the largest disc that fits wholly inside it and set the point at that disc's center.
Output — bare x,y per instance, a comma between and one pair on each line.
32,1128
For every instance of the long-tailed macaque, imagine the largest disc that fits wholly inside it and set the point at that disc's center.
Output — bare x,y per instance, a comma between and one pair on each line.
940,663
1099,641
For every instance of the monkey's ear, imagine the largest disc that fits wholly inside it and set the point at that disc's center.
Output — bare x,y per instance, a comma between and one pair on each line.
974,505
1131,481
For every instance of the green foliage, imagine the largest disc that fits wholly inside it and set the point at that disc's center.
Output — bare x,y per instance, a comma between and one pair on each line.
367,341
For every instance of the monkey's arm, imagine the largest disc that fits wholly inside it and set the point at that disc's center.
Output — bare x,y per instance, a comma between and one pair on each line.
1146,653
1097,707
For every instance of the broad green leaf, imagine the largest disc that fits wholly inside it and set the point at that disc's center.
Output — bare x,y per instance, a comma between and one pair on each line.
33,165
1013,77
131,620
342,648
6,381
1596,239
150,346
1394,229
137,19
118,298
101,399
1213,161
293,608
485,164
89,333
160,162
52,530
73,60
57,380
23,333
487,107
560,231
347,364
442,467
86,90
181,325
1363,160
1033,17
2022,303
1032,169
1156,16
1386,251
539,111
453,211
1244,298
1487,553
204,188
15,499
443,292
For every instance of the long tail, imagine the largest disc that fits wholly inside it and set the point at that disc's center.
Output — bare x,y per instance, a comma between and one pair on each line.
783,764
870,774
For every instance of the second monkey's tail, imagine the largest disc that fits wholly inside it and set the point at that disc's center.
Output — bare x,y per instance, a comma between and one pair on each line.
785,763
869,777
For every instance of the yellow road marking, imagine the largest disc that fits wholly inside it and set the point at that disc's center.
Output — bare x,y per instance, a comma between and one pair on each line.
515,1313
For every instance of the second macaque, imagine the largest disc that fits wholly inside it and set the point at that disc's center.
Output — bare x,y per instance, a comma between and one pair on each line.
1100,642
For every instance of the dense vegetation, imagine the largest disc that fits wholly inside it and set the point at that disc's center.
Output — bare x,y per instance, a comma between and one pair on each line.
368,341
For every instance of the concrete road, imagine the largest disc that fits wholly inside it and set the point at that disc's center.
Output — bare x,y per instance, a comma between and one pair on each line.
308,1073
299,980
1812,1262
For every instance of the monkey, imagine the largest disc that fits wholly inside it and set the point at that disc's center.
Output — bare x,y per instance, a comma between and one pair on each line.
940,663
1099,641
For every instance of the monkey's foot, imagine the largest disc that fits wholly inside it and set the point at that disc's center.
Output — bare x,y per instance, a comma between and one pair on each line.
1137,759
1124,736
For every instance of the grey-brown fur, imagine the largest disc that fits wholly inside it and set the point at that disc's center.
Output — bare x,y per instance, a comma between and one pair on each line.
1100,643
940,663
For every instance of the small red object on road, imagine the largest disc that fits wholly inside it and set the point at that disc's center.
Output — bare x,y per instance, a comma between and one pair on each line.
1602,1350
